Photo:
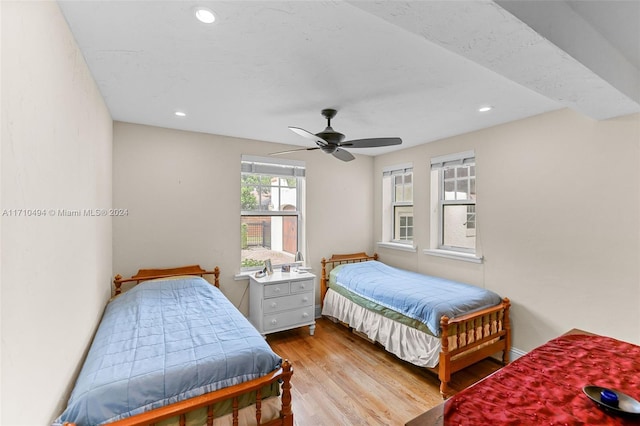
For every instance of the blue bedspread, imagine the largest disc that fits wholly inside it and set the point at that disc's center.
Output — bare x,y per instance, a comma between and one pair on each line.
421,297
162,342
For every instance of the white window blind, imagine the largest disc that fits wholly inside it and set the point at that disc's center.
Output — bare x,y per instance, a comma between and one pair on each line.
397,170
451,160
272,167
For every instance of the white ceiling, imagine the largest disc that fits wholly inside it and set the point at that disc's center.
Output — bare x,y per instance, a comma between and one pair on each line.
418,70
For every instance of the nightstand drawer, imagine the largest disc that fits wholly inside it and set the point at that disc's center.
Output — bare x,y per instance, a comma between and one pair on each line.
300,286
288,319
275,290
277,304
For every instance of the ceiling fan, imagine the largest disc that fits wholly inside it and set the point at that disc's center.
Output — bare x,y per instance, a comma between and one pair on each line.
331,142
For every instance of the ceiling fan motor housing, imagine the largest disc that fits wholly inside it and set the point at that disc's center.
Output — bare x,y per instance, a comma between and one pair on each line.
331,136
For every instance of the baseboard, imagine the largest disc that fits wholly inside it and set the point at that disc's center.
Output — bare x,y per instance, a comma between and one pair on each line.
514,354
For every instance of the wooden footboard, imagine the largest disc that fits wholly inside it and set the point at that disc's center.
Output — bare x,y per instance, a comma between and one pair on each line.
470,338
464,341
179,410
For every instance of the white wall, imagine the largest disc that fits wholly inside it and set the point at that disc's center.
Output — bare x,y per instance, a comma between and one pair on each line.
182,191
56,154
558,214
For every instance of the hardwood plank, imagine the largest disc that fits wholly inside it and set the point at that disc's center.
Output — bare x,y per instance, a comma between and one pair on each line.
342,379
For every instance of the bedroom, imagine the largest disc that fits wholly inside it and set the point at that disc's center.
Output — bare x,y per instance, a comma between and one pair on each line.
561,239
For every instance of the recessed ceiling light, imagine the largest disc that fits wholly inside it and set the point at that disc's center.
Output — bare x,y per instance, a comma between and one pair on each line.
180,114
205,15
485,108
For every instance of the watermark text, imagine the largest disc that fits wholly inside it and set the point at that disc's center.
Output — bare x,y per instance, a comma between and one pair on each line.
64,212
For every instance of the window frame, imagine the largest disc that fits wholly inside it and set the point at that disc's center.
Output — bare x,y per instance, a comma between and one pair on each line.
441,165
281,169
393,208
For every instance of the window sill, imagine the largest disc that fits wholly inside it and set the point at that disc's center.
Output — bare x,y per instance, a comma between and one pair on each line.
243,275
398,246
466,257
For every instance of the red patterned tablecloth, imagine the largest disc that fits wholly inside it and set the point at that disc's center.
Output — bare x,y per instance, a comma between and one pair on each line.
544,387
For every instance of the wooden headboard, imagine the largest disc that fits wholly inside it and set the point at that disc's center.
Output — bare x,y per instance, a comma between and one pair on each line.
339,259
151,274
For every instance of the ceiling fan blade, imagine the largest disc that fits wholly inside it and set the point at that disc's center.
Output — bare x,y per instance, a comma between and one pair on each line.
372,142
294,150
343,155
309,135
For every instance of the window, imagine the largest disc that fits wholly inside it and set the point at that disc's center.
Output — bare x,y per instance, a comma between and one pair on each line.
271,196
397,199
454,201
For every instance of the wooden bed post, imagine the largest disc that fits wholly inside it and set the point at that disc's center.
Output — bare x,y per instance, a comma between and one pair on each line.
117,284
216,274
323,281
286,412
444,371
507,327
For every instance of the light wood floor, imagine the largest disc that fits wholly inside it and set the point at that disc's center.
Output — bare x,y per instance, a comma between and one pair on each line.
342,379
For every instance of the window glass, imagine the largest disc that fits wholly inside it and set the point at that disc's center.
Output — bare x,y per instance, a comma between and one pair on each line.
403,224
397,198
270,225
455,227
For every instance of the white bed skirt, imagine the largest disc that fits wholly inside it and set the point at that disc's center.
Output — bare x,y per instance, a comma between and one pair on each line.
407,343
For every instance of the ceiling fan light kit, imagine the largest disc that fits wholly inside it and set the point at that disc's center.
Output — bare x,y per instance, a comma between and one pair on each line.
332,142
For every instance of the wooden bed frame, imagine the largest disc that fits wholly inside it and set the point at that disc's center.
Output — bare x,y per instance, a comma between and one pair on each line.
180,409
450,360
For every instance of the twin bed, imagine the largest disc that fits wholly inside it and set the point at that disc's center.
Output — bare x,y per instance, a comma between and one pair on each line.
174,350
431,322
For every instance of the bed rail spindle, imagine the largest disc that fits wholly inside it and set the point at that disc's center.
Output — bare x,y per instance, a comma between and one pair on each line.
210,415
258,406
183,419
235,411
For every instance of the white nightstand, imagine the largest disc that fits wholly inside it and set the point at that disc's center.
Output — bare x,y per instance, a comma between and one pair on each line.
282,300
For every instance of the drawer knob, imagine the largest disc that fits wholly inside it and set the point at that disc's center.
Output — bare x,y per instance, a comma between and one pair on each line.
302,286
277,290
274,304
305,299
305,315
274,321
